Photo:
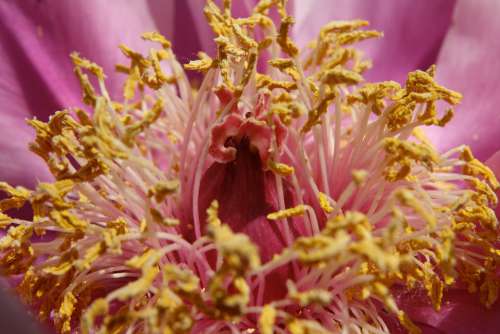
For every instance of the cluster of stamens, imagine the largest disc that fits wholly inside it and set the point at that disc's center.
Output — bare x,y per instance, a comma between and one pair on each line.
120,241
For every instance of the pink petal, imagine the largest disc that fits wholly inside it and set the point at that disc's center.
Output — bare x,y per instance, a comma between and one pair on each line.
494,163
413,30
461,313
18,165
48,31
14,318
36,76
239,8
468,63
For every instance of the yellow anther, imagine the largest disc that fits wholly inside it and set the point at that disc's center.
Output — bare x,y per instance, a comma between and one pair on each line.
434,286
342,26
476,168
149,118
58,270
401,155
479,214
489,291
157,37
17,196
131,83
162,189
357,36
267,319
239,252
302,326
149,257
321,248
138,287
281,168
408,324
287,111
263,6
66,311
243,38
324,203
374,95
313,296
265,43
400,115
299,210
88,65
407,199
225,44
314,115
264,80
341,76
99,307
359,176
421,82
284,40
170,222
183,280
202,64
286,66
136,58
119,225
229,305
483,190
213,214
68,221
5,220
91,255
159,78
89,95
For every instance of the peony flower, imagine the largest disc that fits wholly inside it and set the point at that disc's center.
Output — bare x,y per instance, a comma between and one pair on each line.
278,191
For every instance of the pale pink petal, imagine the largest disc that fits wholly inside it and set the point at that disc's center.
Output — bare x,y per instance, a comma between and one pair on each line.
413,30
469,63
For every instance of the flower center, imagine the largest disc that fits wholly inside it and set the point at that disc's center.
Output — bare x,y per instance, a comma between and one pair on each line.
296,200
246,195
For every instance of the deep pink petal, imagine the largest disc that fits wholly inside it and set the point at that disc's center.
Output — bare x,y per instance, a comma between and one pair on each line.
186,40
468,62
413,30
